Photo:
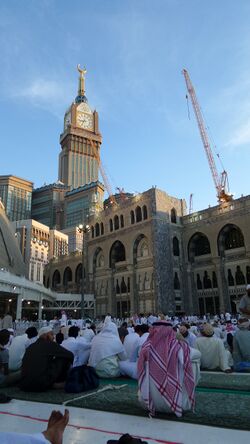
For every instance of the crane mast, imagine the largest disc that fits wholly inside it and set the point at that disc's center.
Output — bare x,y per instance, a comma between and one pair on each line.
221,183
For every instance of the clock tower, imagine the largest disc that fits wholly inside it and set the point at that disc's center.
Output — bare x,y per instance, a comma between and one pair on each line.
80,141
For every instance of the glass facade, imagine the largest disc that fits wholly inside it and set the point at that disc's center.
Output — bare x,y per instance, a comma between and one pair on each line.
17,202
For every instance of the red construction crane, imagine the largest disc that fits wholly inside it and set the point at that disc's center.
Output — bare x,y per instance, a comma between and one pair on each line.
220,181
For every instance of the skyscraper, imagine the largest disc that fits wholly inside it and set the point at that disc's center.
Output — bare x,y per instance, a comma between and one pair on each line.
15,194
80,141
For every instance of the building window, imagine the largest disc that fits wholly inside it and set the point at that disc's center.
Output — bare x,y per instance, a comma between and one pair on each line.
173,216
116,222
97,229
176,282
239,276
206,281
176,249
92,232
198,282
102,228
110,225
138,214
132,217
122,220
230,278
215,283
144,212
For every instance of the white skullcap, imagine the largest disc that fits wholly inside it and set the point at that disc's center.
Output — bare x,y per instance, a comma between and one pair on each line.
248,287
44,330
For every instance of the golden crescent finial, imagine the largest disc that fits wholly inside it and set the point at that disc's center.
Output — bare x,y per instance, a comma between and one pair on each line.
81,71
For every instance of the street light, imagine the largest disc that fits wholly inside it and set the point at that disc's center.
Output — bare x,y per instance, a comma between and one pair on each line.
84,229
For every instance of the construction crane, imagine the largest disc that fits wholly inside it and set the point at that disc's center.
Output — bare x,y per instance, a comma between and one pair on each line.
220,180
103,174
191,203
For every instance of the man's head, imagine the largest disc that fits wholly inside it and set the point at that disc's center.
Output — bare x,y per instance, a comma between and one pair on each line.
4,337
207,330
183,330
141,329
46,333
31,332
73,331
243,324
248,289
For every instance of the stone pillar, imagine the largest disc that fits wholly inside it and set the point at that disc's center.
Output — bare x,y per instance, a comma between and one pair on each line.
40,309
222,284
193,306
19,306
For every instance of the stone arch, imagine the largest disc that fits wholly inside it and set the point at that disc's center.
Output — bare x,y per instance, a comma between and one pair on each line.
117,253
173,216
78,274
230,236
67,276
97,252
56,279
176,246
139,242
138,214
198,245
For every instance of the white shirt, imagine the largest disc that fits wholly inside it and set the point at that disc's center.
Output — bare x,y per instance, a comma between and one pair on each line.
213,353
77,348
131,340
16,352
22,438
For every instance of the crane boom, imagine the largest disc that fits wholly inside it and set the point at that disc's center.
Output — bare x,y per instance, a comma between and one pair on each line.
103,173
219,182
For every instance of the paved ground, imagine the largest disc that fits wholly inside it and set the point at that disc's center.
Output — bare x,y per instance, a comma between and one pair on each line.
90,426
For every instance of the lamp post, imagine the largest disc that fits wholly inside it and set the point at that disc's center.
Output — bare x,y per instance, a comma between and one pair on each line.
84,229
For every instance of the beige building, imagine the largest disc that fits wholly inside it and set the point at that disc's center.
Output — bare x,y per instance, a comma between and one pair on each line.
15,194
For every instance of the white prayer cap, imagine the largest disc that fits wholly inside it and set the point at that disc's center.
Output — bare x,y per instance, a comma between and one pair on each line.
248,287
44,330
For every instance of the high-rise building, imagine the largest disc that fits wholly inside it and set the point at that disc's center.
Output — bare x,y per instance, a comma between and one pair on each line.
80,141
15,194
48,204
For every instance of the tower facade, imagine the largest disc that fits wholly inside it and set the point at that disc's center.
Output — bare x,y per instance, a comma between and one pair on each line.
80,141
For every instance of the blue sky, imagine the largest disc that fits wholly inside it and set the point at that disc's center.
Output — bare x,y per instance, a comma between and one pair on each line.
134,51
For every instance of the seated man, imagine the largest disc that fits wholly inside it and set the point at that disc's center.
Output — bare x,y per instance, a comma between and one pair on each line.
213,353
32,334
241,346
6,378
80,348
166,379
129,368
45,363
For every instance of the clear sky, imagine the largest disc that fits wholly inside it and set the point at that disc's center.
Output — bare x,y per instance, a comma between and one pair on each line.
134,51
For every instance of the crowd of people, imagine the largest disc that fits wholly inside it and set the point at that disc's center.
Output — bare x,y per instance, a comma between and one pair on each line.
164,354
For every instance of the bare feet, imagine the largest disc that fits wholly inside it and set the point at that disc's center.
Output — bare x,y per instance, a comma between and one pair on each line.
56,426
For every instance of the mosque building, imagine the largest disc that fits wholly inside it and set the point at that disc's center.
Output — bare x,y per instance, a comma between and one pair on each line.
144,253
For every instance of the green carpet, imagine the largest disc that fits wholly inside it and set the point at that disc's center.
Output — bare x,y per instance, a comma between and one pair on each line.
215,406
232,381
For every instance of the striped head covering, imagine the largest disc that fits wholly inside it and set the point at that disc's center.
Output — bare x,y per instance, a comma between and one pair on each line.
159,360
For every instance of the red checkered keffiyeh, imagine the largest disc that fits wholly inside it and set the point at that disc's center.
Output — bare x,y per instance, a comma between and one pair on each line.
158,360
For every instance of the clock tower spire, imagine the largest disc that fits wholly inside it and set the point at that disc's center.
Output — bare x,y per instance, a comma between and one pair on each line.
80,141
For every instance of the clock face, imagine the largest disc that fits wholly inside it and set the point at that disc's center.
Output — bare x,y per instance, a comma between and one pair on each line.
85,121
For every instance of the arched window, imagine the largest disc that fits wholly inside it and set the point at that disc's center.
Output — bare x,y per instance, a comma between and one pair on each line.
128,285
56,279
132,217
92,232
110,225
78,274
97,229
123,286
230,237
97,254
116,222
117,288
100,260
173,216
176,248
206,281
230,278
138,214
122,220
117,253
239,276
248,274
102,228
198,245
48,282
176,282
215,283
67,276
198,282
144,212
143,249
